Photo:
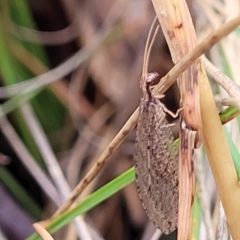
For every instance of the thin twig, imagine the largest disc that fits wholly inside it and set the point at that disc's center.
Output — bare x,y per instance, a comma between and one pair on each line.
200,49
45,235
59,88
59,37
224,81
106,35
52,164
45,149
98,120
63,69
98,164
31,62
28,161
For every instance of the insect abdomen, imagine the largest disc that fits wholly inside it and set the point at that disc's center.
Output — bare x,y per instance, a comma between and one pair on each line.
156,166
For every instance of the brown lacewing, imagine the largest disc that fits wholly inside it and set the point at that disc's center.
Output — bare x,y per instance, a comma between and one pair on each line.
156,160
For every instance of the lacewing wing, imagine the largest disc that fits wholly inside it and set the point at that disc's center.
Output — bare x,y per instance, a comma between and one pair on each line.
156,160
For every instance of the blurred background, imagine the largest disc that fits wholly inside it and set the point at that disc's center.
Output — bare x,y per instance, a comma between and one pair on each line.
69,74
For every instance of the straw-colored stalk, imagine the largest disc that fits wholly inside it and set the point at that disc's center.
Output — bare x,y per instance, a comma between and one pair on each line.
177,26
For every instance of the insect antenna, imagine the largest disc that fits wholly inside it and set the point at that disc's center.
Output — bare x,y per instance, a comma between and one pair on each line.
148,47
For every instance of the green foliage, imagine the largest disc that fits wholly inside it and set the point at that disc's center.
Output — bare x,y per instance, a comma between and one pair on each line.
49,110
91,201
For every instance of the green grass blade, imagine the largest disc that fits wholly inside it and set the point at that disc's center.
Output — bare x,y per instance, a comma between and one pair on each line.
228,114
91,201
21,15
11,70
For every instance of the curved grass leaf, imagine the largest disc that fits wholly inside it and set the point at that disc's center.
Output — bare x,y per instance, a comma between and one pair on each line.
91,201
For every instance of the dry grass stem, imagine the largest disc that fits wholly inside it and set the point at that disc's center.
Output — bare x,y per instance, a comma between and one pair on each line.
45,235
219,157
46,151
59,37
224,81
28,161
59,89
200,49
98,120
100,162
64,68
179,33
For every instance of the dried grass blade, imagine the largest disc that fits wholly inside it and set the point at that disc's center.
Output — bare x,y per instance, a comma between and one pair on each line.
187,178
179,32
177,26
220,158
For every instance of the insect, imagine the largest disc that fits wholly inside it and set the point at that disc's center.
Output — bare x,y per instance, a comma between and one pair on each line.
156,160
